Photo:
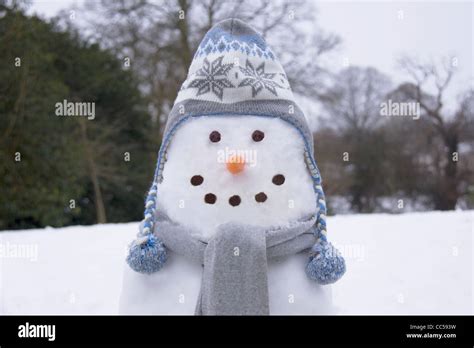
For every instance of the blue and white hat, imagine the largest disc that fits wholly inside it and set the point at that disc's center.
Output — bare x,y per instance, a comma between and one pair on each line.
234,72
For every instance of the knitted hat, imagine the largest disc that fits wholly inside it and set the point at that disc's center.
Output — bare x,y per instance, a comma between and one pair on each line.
234,72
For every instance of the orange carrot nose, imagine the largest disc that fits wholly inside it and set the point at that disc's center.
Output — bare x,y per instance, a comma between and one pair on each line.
235,164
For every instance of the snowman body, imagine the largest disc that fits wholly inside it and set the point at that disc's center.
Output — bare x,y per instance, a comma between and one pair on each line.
242,169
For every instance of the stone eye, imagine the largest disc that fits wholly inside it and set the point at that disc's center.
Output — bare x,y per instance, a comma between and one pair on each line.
234,200
278,179
215,136
197,180
258,136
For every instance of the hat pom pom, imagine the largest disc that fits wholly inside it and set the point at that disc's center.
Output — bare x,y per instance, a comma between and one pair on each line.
147,254
326,264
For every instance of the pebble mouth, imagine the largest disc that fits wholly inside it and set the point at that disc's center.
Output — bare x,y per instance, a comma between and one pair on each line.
196,180
278,179
261,197
234,200
210,198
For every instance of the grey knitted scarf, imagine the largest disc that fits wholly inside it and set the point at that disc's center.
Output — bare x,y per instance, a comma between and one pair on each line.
234,280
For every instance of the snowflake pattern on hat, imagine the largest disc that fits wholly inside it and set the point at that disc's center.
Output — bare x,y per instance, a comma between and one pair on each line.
258,79
212,77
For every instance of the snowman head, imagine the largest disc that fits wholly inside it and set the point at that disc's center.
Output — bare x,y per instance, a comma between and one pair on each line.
244,169
236,148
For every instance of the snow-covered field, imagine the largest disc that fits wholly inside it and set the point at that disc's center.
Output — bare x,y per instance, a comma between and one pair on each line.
416,263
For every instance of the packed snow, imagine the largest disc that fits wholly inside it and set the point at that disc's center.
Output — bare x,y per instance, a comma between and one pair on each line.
415,263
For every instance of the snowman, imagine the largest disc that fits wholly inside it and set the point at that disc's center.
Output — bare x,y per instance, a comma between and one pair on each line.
235,219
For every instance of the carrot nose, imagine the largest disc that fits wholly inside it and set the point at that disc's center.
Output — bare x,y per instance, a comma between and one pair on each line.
235,164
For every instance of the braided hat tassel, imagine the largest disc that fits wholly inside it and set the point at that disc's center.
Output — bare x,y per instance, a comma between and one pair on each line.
326,264
147,253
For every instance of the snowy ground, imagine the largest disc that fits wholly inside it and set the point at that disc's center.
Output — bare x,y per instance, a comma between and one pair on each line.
417,263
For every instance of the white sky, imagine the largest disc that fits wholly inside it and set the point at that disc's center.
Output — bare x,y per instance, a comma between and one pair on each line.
373,33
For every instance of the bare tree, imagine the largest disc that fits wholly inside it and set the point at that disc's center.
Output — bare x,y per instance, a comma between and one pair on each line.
450,128
352,104
98,142
353,101
93,173
160,38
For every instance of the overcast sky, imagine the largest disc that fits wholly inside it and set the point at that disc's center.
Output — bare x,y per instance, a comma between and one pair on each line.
375,33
